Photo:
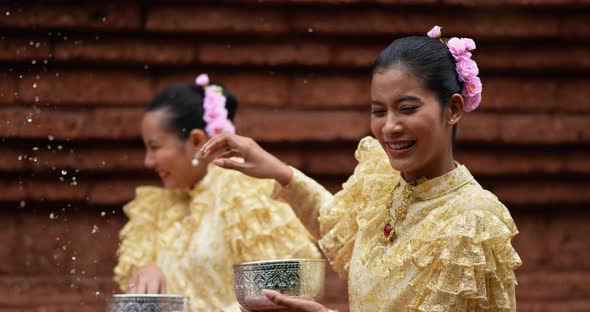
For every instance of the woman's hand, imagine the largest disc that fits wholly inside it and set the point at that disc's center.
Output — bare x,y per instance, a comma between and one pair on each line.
293,304
148,279
258,163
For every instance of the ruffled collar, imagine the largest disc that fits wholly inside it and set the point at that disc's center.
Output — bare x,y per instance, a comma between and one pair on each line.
440,185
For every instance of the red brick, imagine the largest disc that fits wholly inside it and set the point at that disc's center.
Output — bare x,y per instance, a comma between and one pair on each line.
115,123
551,285
304,53
512,2
532,248
332,161
511,162
542,192
373,22
251,89
116,192
185,18
363,55
479,127
61,241
82,87
127,51
9,236
13,191
45,122
300,125
545,58
7,88
518,95
54,293
568,237
330,91
92,159
575,26
13,159
548,306
18,49
89,16
573,96
57,190
546,129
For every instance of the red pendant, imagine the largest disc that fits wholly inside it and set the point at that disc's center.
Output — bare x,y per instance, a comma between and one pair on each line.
387,230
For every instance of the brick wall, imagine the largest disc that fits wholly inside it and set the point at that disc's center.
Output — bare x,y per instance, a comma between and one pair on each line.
75,77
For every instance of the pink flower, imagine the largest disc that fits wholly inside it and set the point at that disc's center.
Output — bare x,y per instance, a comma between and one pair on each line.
435,32
219,112
456,46
218,126
472,86
472,102
202,80
469,44
467,69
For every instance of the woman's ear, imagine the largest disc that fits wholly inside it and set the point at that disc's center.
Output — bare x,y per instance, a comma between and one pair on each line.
455,109
196,139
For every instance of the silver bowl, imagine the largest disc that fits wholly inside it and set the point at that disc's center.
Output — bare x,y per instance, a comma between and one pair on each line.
302,278
147,303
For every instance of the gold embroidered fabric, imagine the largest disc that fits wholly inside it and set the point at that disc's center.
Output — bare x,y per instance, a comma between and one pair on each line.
452,251
195,236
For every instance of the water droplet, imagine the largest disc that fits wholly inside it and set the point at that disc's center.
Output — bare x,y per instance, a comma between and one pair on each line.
35,85
59,147
97,293
20,157
35,148
56,74
22,204
94,229
102,214
36,98
74,258
34,62
31,42
50,137
38,44
7,13
52,216
146,67
64,172
29,119
310,30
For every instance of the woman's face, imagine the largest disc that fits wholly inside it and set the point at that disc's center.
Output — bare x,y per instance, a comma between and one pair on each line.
168,155
408,122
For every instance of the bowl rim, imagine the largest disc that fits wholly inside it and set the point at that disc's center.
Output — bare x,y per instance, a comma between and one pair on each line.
163,296
278,261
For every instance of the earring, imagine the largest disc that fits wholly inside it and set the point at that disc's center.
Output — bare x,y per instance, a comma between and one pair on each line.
195,160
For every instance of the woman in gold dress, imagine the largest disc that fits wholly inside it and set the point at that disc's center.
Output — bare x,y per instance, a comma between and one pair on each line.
183,238
411,230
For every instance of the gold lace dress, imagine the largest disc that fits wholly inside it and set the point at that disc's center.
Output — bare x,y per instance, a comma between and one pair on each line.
452,251
194,236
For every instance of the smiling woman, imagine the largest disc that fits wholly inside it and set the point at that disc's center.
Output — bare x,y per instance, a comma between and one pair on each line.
412,230
183,238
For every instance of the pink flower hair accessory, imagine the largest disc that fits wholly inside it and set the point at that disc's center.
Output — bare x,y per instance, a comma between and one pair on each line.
467,69
215,113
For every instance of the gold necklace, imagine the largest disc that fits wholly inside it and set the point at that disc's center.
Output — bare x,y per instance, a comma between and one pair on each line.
400,210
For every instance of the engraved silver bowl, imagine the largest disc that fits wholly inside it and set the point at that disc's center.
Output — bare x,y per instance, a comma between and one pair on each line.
302,278
147,303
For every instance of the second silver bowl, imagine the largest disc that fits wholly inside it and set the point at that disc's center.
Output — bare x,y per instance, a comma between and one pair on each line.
302,278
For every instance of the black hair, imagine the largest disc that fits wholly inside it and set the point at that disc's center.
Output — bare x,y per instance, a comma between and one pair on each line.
183,107
428,59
